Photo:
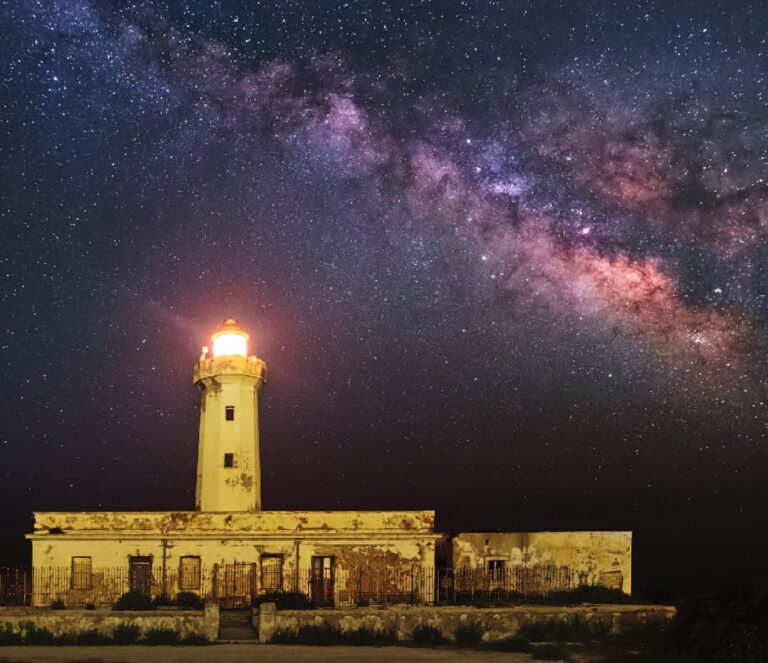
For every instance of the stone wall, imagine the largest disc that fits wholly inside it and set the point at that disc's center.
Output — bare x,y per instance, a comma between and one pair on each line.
60,622
498,622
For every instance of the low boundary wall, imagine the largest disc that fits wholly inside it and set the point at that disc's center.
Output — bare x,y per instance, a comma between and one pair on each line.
60,622
497,622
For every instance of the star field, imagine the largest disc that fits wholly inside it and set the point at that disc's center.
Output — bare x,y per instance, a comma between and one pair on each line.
503,259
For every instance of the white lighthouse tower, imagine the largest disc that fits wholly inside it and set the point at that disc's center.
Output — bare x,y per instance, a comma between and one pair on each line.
228,468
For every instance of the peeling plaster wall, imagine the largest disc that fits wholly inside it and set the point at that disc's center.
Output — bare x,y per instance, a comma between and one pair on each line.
389,542
166,522
599,558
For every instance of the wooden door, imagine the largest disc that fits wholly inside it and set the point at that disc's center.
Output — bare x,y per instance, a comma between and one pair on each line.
321,581
140,574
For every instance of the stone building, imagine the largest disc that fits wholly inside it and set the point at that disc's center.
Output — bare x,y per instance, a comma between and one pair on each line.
229,550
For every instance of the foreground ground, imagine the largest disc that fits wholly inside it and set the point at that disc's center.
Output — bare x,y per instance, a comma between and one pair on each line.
260,653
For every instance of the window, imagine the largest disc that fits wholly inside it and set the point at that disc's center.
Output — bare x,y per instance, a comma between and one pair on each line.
82,572
189,573
496,567
496,571
229,460
271,573
229,412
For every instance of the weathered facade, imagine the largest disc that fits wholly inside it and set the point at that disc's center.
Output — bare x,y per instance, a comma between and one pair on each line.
225,556
229,550
559,559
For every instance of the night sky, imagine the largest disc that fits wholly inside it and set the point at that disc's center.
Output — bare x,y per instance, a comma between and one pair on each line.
507,260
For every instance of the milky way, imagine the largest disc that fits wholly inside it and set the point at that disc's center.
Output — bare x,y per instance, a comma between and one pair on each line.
485,250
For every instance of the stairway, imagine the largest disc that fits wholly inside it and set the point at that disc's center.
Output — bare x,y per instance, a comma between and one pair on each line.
235,625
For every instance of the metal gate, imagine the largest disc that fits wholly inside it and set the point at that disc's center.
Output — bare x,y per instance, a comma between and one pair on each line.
234,585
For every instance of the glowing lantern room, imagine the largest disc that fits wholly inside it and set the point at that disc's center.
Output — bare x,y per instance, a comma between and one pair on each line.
229,339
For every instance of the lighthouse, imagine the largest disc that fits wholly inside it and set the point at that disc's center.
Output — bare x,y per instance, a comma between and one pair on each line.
229,380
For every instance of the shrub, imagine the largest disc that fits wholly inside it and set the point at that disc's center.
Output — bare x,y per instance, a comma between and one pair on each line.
194,639
57,604
591,594
189,600
322,634
91,637
425,634
90,606
33,635
162,601
285,600
369,637
161,636
729,625
549,652
576,629
517,642
469,633
133,600
126,634
9,636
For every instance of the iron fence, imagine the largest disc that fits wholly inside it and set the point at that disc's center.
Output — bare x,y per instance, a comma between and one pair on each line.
241,583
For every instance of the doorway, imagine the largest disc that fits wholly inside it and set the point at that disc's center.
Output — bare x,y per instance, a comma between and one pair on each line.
321,581
140,574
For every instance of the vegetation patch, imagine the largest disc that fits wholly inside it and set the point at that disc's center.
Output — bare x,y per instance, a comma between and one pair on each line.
549,652
285,600
572,629
322,634
482,598
189,601
369,637
427,635
134,600
469,633
516,643
91,637
160,636
28,633
8,635
126,634
730,625
327,635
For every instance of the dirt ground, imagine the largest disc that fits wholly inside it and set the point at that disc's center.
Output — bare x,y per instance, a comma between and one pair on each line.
260,653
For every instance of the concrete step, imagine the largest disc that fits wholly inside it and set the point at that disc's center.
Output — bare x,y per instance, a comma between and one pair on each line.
235,617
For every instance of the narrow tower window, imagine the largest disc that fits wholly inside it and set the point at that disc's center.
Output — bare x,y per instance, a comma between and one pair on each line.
229,412
229,460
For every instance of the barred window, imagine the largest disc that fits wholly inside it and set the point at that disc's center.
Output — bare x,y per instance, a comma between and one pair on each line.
189,573
271,573
82,572
496,568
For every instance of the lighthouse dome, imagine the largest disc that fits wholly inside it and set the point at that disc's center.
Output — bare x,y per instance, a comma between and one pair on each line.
229,339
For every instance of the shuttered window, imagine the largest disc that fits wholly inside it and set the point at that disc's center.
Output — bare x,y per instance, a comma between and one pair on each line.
82,572
189,573
271,573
